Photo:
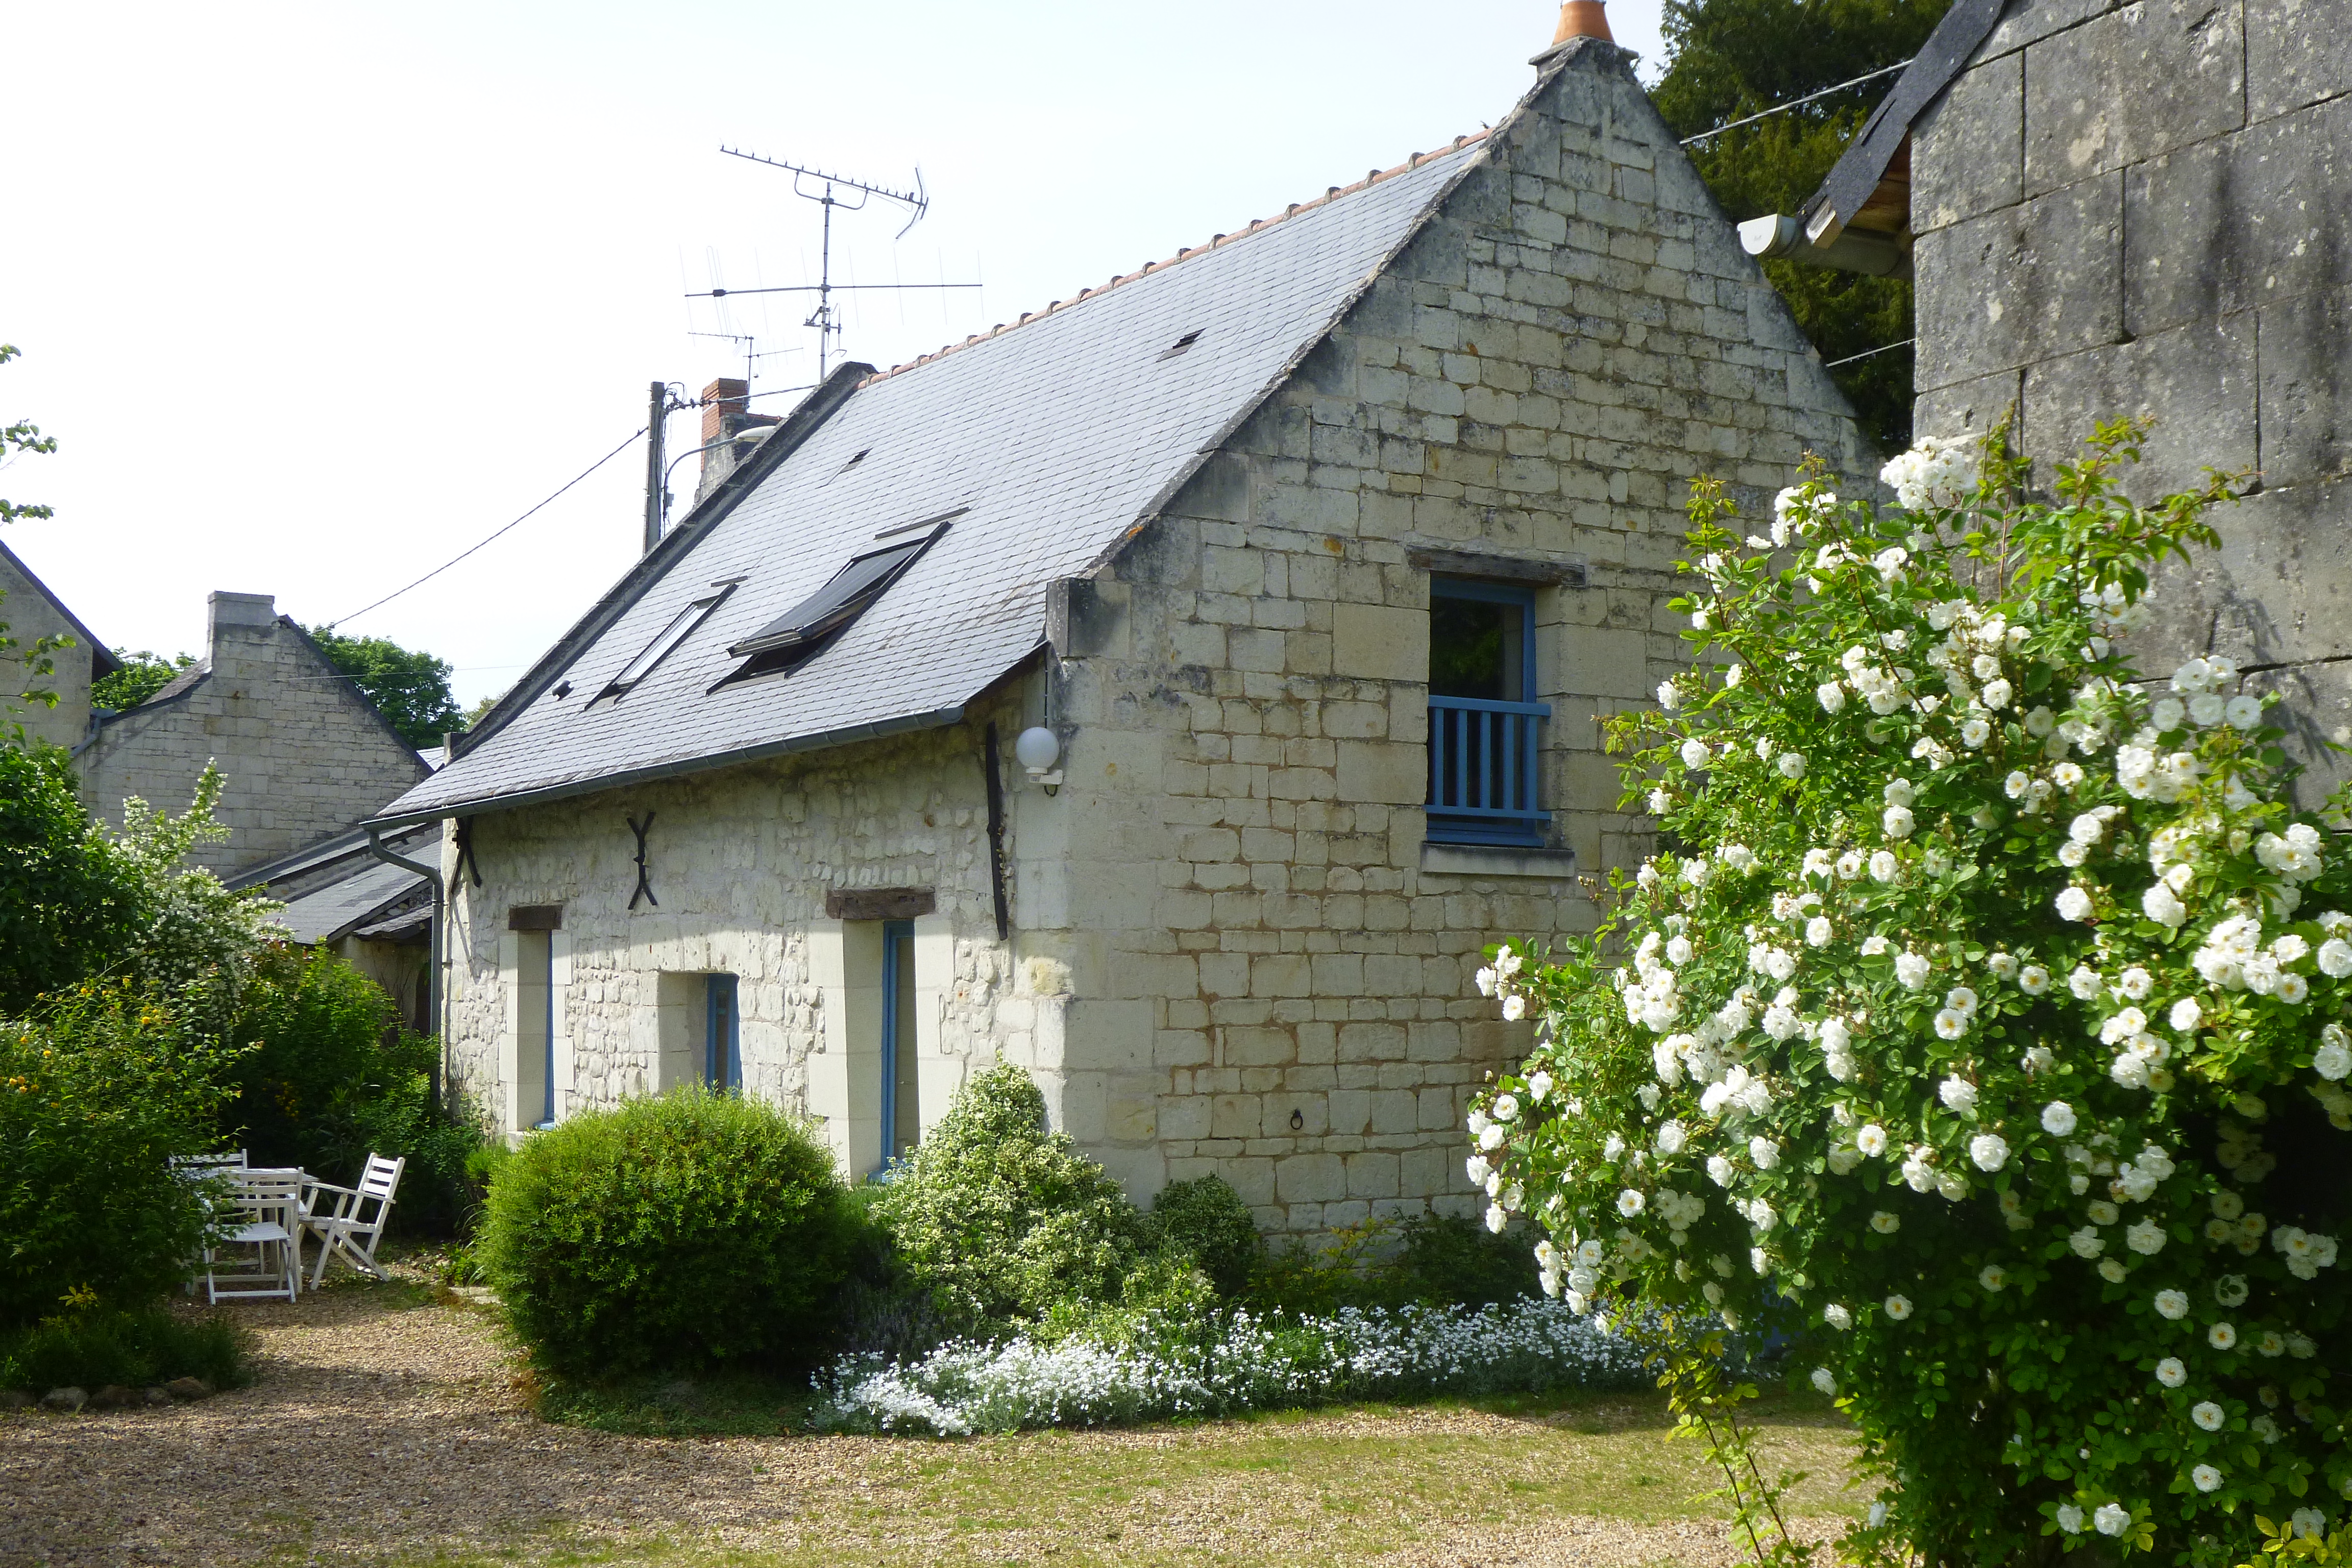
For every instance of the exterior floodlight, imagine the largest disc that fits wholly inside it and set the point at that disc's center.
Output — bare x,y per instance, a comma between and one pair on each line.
1037,750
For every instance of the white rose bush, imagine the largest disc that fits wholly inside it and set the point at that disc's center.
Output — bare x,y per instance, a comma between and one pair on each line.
1997,1047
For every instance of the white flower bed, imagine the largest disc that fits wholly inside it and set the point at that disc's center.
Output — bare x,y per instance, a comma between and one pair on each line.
1228,1363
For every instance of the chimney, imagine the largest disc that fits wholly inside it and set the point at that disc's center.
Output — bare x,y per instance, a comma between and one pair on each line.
230,618
1582,19
726,414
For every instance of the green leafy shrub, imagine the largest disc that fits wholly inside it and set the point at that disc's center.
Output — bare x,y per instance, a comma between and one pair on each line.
90,1348
671,1233
1206,1219
1432,1260
100,1087
1992,1017
68,902
998,1218
332,1078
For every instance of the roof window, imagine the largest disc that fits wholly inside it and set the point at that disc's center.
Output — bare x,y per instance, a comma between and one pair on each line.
681,625
1180,345
809,627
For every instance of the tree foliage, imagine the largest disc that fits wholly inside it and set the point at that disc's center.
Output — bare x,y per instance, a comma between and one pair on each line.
16,438
142,674
68,901
1987,1028
409,686
1727,60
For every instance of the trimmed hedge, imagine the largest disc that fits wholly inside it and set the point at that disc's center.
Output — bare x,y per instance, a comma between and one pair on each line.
676,1233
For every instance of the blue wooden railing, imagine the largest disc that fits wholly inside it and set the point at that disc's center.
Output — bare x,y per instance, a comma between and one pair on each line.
1484,760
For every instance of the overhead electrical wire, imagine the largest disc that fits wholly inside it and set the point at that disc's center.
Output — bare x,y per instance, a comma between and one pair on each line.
583,474
1796,103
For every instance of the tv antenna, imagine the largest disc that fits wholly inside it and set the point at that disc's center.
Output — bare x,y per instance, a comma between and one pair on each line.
750,358
826,319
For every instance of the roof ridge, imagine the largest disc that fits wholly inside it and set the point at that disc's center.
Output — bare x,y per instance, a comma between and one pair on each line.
1256,226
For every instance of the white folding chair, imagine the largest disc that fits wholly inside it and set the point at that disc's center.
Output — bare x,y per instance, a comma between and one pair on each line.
354,1228
198,1171
270,1206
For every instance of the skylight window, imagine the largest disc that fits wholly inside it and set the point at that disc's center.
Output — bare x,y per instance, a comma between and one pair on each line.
681,626
805,630
1180,345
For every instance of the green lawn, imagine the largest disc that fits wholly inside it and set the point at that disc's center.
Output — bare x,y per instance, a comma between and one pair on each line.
1339,1485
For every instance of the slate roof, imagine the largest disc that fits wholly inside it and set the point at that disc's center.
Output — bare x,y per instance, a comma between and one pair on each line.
353,900
1059,435
335,888
1881,148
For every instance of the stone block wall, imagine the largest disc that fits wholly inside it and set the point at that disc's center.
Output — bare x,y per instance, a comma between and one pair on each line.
1278,965
30,615
740,862
302,757
2146,208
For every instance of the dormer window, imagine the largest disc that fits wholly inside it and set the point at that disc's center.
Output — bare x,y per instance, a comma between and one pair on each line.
809,627
681,626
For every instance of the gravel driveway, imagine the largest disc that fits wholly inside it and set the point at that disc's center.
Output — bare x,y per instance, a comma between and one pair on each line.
381,1429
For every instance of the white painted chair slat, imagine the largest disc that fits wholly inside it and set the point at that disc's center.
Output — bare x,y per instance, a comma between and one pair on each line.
353,1228
271,1204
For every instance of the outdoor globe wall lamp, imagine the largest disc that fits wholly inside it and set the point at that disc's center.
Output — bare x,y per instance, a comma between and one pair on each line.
1037,750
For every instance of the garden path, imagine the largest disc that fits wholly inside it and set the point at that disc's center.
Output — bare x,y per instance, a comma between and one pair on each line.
386,1425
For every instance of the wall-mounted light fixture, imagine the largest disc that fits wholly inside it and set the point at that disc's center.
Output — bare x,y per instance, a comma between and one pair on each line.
1037,750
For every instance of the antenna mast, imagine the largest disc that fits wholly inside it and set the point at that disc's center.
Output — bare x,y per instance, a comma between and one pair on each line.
826,320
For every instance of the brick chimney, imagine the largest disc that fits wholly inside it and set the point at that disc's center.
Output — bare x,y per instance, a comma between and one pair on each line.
238,628
1582,19
727,413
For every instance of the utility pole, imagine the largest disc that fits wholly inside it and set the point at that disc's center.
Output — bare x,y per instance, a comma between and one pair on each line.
656,414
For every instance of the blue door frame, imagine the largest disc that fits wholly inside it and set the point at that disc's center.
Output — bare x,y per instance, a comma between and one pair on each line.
896,935
722,1064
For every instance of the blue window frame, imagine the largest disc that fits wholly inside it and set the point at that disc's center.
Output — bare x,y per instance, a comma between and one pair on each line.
722,1057
901,1111
1486,738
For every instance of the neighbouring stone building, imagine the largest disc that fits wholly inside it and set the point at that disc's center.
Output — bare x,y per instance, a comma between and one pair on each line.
1314,553
31,614
2144,209
302,756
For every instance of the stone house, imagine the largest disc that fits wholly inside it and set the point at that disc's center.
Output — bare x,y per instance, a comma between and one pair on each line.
31,613
2142,209
303,756
1314,553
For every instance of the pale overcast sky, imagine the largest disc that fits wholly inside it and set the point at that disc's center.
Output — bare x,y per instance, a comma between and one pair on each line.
313,296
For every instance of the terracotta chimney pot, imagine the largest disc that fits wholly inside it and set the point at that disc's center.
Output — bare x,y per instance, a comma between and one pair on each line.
1583,19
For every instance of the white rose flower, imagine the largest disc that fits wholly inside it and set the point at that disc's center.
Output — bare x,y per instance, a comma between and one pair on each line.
2335,958
2333,1060
1885,1224
2165,714
1996,694
1631,1203
1957,1093
1897,821
2113,1518
1883,866
2208,1416
1668,697
1898,1306
2222,1336
2087,1242
2172,1304
1506,1107
2058,1118
1792,765
1818,931
1764,1153
1989,1151
1515,1007
1695,754
1823,1381
2207,1477
1912,969
1478,1170
1496,1219
2147,1237
1830,694
2033,980
2070,1519
2160,904
1993,1277
2171,1373
2074,904
2186,1014
1837,1316
1719,1170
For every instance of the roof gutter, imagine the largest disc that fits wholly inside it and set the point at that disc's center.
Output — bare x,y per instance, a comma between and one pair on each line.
938,718
1854,250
